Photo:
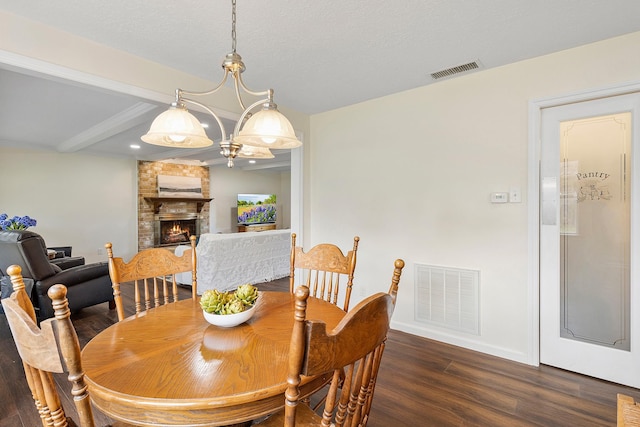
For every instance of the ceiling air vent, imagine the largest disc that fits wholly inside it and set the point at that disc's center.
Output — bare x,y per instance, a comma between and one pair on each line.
455,70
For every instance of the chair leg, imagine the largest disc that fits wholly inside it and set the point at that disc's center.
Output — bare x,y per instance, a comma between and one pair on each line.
112,305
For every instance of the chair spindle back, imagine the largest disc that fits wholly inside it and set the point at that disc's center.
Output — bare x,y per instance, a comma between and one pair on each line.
153,276
350,355
322,269
40,349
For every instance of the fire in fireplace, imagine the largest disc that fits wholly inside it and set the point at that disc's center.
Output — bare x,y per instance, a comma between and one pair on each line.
174,229
176,233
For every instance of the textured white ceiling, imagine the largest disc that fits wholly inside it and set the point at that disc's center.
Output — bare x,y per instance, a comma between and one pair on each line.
323,54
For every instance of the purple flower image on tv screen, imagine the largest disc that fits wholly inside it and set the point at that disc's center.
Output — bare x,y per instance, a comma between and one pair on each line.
256,208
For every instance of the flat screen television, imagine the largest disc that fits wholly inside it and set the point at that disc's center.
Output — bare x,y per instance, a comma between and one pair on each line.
256,209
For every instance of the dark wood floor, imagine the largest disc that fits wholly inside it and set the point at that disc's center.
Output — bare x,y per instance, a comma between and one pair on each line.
421,383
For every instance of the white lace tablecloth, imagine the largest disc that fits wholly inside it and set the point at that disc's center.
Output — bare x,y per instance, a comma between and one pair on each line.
226,261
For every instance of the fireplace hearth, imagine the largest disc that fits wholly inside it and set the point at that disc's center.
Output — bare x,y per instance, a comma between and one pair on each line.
173,229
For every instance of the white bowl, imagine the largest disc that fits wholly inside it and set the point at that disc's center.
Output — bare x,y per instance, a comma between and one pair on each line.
229,320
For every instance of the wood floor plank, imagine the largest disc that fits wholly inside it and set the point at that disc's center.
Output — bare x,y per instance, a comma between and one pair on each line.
519,391
12,421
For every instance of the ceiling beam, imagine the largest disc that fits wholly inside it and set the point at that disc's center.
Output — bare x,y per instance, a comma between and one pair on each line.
127,119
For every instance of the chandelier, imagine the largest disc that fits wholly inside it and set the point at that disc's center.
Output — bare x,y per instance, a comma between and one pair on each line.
255,132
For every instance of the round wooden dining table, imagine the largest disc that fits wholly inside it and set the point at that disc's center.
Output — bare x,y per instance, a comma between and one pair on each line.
169,367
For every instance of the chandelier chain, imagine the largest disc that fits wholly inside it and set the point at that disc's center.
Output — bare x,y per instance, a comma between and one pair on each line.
233,26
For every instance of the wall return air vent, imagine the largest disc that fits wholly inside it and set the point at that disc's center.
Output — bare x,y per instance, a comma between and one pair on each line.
450,72
448,298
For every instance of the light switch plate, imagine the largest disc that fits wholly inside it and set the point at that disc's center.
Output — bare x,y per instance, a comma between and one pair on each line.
515,196
499,197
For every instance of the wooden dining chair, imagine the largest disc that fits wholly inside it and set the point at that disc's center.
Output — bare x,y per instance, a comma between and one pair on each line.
628,411
51,348
322,269
351,352
152,273
321,396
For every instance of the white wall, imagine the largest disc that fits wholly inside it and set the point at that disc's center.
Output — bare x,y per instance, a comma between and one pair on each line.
78,200
227,183
411,175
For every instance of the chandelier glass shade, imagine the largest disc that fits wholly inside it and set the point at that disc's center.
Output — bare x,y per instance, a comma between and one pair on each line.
268,128
256,131
176,127
251,152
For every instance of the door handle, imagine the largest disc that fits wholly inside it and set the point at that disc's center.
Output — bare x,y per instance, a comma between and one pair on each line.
549,200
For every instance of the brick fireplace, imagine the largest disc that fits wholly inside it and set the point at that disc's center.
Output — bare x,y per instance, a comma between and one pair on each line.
164,221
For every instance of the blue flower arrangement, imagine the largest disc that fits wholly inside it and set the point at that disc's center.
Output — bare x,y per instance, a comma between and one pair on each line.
16,223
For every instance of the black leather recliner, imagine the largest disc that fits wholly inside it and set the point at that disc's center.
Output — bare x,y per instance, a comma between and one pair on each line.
87,284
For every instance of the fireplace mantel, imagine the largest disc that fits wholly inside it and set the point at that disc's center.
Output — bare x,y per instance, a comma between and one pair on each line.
158,201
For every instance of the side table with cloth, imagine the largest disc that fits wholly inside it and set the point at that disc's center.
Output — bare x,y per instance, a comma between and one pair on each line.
226,261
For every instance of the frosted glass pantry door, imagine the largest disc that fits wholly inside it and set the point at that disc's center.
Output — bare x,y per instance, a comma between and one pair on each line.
586,310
